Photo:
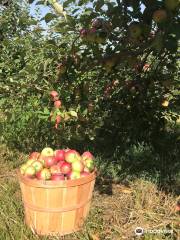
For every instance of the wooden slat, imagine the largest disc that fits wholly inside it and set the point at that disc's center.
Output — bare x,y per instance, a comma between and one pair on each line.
68,221
55,220
79,219
71,195
56,207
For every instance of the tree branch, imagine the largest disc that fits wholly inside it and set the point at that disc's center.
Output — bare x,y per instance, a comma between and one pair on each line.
58,8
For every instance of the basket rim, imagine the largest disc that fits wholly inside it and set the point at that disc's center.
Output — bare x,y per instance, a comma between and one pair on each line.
56,184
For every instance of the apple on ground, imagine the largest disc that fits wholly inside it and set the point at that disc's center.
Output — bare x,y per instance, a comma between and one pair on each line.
30,172
78,166
87,155
49,161
74,175
44,174
66,168
55,169
85,174
47,152
23,168
57,177
72,156
59,155
34,155
37,165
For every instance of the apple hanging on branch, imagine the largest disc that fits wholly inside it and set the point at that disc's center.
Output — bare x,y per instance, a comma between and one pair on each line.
160,16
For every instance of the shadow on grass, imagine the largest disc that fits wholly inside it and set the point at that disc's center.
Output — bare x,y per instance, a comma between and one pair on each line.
158,162
121,161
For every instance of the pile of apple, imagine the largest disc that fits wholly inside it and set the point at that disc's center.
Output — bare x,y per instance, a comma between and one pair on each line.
58,165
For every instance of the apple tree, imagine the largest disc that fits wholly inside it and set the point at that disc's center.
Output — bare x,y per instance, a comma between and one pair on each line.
113,65
119,72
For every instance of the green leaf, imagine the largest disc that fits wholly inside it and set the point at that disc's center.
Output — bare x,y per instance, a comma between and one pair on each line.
30,1
67,2
40,2
49,17
71,21
73,113
46,111
81,2
99,5
85,111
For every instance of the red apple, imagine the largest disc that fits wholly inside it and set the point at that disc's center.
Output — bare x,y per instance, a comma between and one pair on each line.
83,33
146,67
55,169
59,155
54,95
37,165
97,23
47,151
87,155
57,177
49,161
60,163
74,175
160,16
66,168
77,166
72,156
57,104
58,119
85,174
34,155
44,174
30,172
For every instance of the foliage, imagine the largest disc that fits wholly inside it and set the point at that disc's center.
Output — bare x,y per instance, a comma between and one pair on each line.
112,63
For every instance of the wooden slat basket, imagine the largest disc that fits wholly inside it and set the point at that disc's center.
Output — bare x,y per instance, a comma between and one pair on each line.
56,207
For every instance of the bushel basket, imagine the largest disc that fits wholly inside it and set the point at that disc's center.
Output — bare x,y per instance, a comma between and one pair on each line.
56,207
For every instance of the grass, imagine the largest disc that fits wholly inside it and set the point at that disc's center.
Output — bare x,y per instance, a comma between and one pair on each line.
115,212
